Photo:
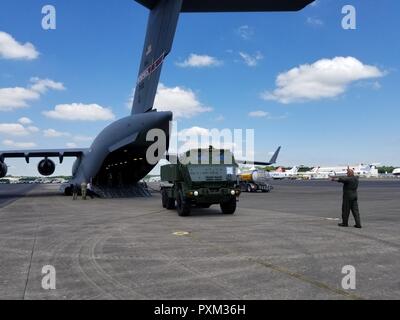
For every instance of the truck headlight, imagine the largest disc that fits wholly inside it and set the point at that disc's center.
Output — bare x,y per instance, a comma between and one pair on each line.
196,193
233,192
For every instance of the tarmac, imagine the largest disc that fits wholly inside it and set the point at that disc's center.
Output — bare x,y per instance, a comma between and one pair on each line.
281,245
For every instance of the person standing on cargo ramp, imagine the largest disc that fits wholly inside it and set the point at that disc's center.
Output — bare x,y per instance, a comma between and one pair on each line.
350,199
84,190
75,189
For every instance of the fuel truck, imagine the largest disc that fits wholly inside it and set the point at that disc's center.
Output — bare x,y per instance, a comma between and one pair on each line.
201,178
254,181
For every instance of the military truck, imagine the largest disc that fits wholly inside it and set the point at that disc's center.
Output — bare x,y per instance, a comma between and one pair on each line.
200,178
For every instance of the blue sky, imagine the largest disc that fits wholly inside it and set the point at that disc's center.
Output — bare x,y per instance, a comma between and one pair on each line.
92,59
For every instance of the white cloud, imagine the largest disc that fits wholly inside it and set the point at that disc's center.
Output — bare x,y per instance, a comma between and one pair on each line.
71,145
182,102
42,85
80,112
23,145
12,49
199,61
198,137
220,118
258,114
194,131
51,133
315,21
18,97
33,129
245,32
251,60
25,121
81,138
13,129
326,78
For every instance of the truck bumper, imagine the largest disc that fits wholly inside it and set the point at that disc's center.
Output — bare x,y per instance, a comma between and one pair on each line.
212,196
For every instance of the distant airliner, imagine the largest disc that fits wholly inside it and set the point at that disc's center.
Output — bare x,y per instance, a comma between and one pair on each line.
117,157
282,174
369,171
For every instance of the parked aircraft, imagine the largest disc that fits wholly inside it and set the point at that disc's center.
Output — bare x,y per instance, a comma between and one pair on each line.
281,173
117,157
368,171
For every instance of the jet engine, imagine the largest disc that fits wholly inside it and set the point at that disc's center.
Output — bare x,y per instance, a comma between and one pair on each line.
46,167
3,169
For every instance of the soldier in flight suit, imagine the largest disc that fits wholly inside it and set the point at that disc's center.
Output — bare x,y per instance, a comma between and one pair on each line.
84,190
350,199
75,189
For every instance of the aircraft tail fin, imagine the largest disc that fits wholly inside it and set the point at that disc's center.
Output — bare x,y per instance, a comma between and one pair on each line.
294,170
274,158
272,161
161,28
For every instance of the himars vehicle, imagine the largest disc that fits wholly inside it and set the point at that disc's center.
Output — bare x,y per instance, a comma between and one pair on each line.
117,157
201,178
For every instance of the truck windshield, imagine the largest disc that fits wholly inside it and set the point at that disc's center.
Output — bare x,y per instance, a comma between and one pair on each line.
212,173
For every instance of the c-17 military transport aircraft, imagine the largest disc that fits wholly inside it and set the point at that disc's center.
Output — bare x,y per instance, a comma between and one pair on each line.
117,156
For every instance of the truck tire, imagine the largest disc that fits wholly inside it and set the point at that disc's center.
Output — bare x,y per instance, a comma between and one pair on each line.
229,207
182,206
164,198
167,202
249,189
171,204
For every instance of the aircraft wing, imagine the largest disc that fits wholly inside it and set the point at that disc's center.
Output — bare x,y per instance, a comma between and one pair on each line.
235,5
174,159
258,163
51,153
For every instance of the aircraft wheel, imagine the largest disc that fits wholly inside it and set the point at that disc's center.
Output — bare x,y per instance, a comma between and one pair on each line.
229,207
182,207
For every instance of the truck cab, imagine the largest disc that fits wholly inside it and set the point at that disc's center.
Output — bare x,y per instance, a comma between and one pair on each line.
201,178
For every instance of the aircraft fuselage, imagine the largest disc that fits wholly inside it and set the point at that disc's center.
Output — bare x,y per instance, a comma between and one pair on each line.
117,156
